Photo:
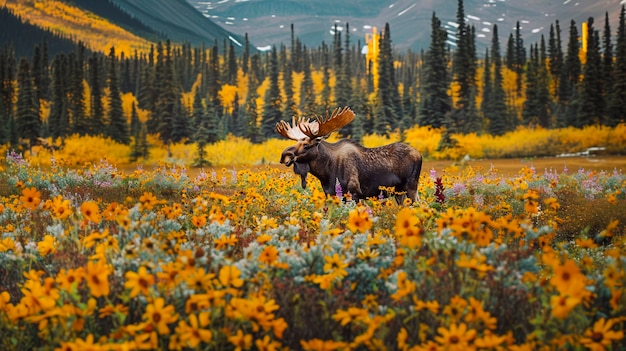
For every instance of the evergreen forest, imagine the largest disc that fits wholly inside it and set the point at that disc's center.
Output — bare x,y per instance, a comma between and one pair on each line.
201,94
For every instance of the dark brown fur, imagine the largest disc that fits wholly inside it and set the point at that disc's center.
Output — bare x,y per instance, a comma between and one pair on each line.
360,171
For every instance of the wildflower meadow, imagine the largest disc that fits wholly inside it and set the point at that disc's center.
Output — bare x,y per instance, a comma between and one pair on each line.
99,258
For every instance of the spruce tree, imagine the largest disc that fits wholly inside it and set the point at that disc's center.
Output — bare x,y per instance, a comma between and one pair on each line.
290,109
8,69
567,111
59,114
555,54
307,93
28,121
117,128
616,108
95,123
592,100
435,102
272,108
326,95
607,66
498,115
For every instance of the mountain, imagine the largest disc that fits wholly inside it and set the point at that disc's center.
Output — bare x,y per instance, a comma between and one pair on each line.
128,25
178,20
268,22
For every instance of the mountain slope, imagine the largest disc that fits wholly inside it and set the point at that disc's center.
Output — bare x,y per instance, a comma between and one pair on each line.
178,20
269,21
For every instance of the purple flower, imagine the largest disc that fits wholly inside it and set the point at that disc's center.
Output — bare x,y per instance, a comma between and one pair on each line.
338,190
433,173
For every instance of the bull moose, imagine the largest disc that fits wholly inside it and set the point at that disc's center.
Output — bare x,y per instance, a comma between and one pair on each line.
359,170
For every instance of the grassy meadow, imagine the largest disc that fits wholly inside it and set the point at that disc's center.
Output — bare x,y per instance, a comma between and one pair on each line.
97,253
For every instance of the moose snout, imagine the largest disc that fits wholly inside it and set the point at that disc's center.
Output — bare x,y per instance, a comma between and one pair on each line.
287,158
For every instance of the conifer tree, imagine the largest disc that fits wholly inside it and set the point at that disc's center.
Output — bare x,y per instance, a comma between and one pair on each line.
307,93
200,124
497,116
117,128
238,127
343,72
555,54
435,102
80,124
592,100
567,110
325,103
27,117
59,115
272,108
607,66
290,108
251,117
8,68
138,132
389,96
616,108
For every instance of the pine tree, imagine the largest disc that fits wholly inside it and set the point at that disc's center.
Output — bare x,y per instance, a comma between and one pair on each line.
290,109
555,54
307,93
616,108
272,112
498,115
117,129
390,104
325,103
592,100
487,100
567,112
8,68
59,114
343,87
95,123
607,66
28,121
435,102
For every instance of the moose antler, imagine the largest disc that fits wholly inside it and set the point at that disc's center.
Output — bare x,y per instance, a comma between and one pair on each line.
302,127
323,126
293,131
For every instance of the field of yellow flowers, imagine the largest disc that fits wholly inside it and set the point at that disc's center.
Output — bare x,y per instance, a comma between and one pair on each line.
103,259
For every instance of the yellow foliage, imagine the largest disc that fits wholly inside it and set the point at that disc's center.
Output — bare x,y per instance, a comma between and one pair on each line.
97,33
424,139
297,78
81,150
227,95
127,105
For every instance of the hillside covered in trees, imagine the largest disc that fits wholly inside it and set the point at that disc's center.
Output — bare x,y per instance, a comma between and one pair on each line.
200,94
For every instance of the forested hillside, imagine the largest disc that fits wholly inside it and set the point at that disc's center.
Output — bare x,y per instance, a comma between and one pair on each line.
196,94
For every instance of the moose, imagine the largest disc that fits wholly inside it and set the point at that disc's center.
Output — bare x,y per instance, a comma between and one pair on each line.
359,171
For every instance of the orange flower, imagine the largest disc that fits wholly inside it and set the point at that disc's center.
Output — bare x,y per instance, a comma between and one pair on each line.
61,208
408,228
98,278
269,255
601,335
562,305
359,221
31,198
229,276
199,221
91,212
47,245
195,332
158,315
67,279
139,282
568,279
335,266
455,338
240,340
148,200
